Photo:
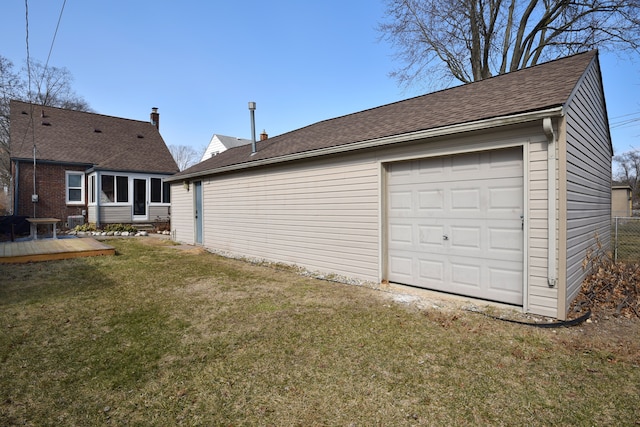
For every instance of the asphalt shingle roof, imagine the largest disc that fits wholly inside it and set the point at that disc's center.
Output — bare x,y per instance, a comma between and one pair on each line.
536,88
104,142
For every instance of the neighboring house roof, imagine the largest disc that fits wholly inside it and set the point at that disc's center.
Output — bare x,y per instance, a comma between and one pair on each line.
528,90
95,140
226,142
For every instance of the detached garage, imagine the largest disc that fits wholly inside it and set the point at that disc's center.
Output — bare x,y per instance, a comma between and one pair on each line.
448,191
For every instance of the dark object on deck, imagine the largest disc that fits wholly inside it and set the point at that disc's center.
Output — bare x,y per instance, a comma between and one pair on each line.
12,226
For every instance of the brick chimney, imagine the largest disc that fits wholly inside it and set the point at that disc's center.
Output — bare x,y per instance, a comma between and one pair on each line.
155,117
263,135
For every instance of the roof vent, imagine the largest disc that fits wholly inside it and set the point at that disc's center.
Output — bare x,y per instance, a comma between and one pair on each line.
46,124
24,112
97,131
140,136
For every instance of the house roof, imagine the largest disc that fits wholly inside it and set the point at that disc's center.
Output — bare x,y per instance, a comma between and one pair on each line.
95,140
226,141
532,89
231,141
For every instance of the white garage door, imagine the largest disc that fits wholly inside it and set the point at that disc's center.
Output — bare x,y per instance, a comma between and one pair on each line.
454,224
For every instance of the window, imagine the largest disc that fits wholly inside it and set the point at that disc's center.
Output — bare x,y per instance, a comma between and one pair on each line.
114,189
75,188
160,191
122,189
166,192
107,189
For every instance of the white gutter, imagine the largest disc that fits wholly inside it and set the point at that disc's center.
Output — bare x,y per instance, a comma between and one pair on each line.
547,126
387,140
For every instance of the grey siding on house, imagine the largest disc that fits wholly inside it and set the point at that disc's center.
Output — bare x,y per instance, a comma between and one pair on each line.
588,177
91,214
159,213
110,214
115,214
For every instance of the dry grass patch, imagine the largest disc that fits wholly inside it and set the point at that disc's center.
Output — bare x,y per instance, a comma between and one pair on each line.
159,336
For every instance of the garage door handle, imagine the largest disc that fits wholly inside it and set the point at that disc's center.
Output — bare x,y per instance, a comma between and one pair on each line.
445,237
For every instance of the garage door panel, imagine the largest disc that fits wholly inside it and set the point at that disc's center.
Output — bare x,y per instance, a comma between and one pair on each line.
505,240
401,201
505,198
503,279
401,234
466,199
402,266
465,277
463,232
432,272
431,237
465,163
465,238
431,200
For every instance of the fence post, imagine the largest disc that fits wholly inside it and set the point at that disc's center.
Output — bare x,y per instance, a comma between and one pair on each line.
615,243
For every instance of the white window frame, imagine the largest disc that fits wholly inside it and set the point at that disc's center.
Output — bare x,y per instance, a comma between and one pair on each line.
115,202
67,188
163,201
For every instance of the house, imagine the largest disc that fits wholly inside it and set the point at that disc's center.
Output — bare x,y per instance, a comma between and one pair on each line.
220,143
88,167
621,201
447,191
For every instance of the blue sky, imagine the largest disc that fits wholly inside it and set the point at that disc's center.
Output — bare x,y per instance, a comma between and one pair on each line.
201,62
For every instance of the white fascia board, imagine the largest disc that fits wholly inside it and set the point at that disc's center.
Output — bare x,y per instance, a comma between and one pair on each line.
387,140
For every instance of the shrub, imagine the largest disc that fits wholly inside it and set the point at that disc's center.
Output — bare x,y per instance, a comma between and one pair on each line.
120,227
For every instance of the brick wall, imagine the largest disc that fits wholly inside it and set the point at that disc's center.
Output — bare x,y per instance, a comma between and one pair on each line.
50,188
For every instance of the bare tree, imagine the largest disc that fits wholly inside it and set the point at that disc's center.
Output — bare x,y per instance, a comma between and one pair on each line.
470,40
184,155
49,86
628,172
10,88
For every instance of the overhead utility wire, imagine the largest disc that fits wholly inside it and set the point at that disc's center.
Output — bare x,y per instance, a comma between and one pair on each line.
55,34
33,133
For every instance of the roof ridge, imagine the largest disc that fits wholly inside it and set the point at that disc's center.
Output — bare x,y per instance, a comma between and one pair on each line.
510,73
78,111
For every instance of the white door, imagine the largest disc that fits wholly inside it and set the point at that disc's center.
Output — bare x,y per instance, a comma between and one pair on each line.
455,224
140,200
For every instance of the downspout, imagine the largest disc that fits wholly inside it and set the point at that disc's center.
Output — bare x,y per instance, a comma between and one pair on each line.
552,276
16,188
97,190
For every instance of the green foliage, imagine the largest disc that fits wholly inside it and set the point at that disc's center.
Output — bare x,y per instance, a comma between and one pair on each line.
87,226
119,227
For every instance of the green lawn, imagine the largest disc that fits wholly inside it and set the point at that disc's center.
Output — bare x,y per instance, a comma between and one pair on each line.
161,336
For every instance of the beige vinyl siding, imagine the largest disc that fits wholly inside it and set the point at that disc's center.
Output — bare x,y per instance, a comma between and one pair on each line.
182,223
588,177
325,213
541,298
322,216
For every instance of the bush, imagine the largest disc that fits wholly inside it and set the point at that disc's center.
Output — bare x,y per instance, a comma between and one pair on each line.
87,226
120,228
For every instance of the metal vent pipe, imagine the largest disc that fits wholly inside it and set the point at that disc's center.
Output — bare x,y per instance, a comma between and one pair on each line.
252,111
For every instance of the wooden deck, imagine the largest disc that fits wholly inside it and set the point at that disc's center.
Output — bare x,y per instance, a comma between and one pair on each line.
52,249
